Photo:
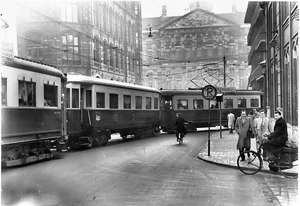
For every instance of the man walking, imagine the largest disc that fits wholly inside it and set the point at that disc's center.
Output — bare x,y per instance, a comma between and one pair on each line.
231,119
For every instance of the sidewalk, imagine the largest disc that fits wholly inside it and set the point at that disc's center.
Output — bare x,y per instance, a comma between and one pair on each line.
223,152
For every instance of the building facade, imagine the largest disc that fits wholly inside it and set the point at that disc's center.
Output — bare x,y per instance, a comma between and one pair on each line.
277,59
195,49
94,38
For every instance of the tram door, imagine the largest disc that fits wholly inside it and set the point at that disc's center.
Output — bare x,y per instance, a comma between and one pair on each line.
167,113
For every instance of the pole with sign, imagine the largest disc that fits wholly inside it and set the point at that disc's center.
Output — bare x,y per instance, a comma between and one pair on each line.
220,99
209,92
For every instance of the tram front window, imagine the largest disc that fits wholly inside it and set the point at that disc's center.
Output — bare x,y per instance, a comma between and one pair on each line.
50,96
27,95
75,98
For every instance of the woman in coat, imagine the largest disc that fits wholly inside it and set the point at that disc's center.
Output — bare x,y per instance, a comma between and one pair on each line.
242,125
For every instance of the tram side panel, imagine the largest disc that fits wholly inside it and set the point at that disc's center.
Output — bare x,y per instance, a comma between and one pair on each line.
125,122
31,111
194,108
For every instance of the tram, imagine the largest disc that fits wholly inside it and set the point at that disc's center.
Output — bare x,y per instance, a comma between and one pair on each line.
195,108
32,111
97,108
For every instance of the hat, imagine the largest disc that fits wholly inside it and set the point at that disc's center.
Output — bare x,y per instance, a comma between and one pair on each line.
277,112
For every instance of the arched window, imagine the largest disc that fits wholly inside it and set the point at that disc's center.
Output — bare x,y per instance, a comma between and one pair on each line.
128,35
70,46
117,52
110,19
117,25
34,46
96,49
105,52
111,55
105,18
122,29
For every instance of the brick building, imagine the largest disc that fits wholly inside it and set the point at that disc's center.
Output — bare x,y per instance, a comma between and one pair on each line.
189,50
274,55
94,38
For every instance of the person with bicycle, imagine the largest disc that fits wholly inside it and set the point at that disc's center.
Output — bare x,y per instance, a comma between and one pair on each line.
275,141
261,128
180,126
242,125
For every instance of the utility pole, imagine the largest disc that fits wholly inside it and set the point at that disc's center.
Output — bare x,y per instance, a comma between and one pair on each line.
224,60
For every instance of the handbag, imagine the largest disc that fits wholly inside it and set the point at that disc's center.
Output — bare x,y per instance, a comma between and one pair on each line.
250,134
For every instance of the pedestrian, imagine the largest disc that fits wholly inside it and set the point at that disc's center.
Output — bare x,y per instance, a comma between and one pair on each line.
261,128
242,125
276,140
231,119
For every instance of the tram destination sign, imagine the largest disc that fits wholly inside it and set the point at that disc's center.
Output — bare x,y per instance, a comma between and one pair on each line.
209,92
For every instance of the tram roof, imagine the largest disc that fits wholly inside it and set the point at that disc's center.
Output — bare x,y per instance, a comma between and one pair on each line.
75,78
195,92
26,64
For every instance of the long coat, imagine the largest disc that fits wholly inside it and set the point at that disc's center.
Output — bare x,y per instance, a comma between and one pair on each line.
231,119
242,129
277,139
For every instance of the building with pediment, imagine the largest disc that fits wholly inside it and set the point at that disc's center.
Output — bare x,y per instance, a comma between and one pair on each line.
196,49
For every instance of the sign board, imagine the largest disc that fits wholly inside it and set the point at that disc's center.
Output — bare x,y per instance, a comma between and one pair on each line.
226,89
209,92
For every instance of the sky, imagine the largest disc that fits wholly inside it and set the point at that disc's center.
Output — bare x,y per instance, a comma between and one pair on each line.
153,8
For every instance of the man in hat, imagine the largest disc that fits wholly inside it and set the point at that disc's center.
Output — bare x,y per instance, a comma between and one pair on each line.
277,139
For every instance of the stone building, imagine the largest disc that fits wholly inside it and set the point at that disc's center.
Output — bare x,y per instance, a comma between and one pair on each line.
274,55
94,38
195,49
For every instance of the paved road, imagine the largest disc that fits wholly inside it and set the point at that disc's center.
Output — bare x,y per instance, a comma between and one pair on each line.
148,171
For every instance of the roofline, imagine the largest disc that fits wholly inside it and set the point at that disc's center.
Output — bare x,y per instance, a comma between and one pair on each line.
75,78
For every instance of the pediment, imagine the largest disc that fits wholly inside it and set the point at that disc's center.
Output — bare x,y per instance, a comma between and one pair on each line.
198,18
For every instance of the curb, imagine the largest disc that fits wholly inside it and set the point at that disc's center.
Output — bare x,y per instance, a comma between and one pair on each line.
233,166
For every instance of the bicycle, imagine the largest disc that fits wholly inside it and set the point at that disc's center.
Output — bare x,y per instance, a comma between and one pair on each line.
254,163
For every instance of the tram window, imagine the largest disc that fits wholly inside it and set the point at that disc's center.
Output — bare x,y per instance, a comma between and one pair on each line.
167,105
4,92
148,102
182,104
27,94
138,102
198,104
68,98
228,103
242,103
88,98
113,101
254,102
50,95
213,104
155,103
100,100
127,101
75,98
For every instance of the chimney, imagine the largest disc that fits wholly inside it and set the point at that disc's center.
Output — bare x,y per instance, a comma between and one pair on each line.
164,11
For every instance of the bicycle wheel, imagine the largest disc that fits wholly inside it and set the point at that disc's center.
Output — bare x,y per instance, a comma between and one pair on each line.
252,163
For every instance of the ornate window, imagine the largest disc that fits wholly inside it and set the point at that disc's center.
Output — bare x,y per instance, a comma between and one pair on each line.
96,48
34,46
69,11
70,44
